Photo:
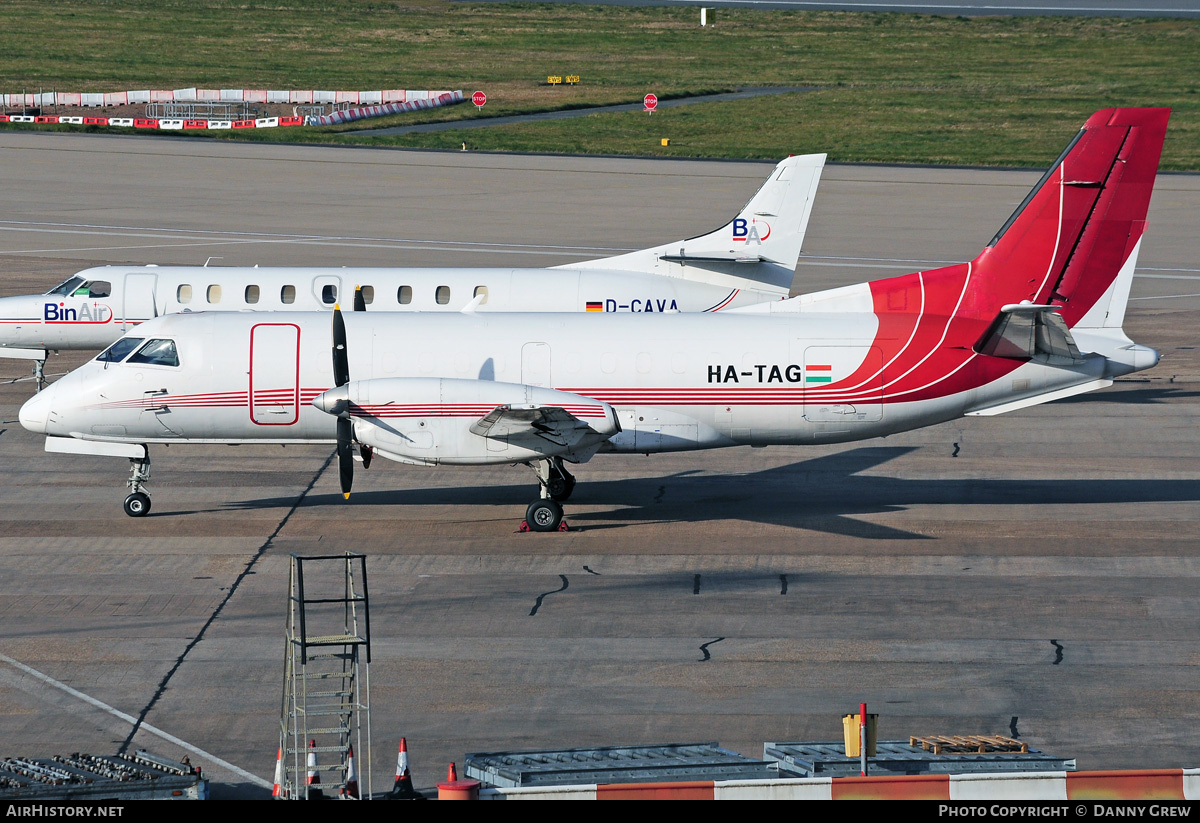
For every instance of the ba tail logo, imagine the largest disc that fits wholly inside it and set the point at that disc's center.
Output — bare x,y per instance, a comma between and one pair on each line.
750,231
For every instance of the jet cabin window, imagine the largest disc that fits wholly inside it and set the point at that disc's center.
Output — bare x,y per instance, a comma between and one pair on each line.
329,294
156,353
482,290
251,294
368,293
118,351
288,294
442,295
404,295
184,293
214,294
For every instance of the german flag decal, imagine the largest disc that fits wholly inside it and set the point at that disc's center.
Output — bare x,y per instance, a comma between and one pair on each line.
597,306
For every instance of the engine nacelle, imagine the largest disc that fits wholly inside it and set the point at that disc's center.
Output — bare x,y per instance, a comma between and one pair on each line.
445,420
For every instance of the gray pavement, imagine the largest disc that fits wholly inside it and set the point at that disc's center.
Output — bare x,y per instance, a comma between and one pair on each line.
1033,574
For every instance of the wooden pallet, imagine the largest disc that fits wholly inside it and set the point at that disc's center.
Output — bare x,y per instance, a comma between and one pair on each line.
969,744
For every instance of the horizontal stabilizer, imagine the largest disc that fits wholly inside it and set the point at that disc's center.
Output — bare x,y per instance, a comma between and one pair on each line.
1026,331
731,257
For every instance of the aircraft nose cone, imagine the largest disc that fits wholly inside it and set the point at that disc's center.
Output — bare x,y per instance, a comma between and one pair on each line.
334,401
36,411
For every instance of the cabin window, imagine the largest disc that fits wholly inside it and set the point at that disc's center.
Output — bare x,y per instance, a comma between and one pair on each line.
214,294
368,293
288,294
156,353
442,295
329,294
482,290
251,294
117,351
98,288
184,293
404,295
67,288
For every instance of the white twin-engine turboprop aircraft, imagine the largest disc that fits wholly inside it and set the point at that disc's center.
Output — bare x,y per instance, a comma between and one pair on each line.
749,260
1036,316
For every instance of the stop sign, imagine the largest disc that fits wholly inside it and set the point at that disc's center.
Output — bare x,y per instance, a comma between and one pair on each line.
479,98
650,101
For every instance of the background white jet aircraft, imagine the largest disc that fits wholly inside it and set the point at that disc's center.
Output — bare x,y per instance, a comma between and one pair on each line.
749,260
1036,316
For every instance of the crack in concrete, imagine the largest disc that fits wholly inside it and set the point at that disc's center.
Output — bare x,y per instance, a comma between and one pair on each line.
543,596
246,572
704,648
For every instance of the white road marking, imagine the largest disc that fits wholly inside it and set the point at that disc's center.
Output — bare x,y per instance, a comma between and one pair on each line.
204,237
91,701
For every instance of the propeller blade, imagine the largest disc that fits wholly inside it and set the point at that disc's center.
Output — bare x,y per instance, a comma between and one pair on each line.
345,450
360,303
341,365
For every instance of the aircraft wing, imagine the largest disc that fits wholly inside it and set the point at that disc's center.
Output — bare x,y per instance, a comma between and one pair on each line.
526,425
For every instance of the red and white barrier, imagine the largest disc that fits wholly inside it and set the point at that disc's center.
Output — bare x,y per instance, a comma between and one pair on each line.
1149,784
363,112
371,104
195,95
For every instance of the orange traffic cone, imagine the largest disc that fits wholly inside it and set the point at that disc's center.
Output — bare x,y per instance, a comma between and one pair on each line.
453,775
402,789
351,775
277,790
314,776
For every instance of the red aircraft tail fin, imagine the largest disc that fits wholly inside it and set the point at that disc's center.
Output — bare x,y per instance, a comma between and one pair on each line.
1067,242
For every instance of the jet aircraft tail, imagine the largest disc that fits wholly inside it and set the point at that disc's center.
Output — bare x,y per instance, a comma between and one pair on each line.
758,249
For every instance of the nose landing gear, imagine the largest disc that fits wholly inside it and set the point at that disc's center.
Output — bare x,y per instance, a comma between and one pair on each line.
137,504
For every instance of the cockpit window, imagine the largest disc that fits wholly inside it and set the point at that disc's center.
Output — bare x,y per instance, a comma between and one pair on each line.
78,287
67,288
119,350
156,353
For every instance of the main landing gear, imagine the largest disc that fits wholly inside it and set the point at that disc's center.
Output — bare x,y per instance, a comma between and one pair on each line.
39,375
137,504
546,513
